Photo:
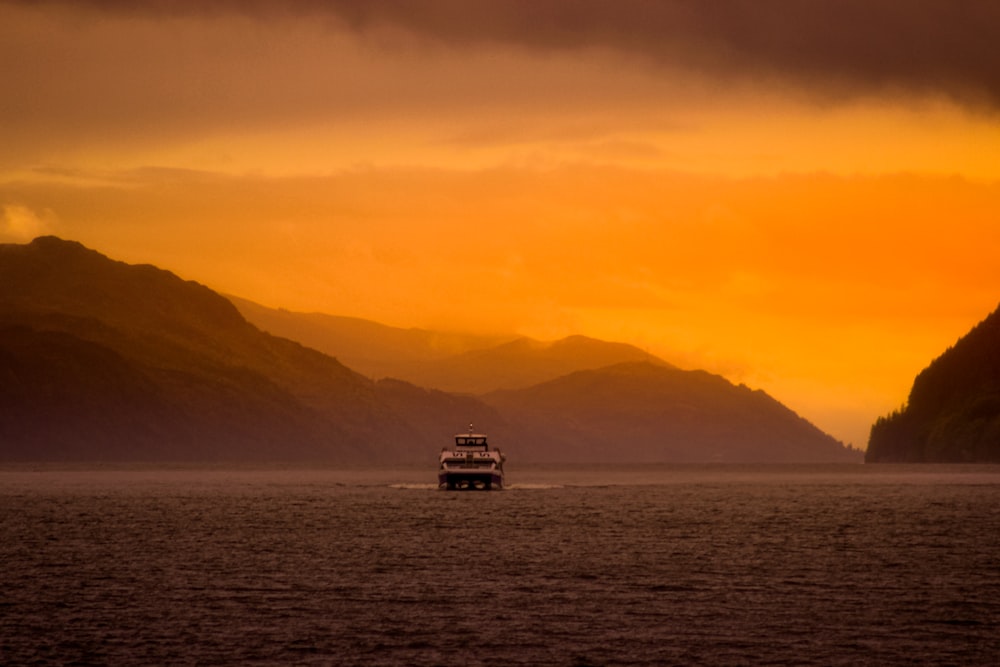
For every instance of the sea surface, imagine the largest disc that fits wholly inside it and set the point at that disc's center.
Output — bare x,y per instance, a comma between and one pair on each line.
824,565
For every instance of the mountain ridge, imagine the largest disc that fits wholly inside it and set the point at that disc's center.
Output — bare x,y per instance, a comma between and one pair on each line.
106,361
952,414
352,339
665,414
220,384
448,361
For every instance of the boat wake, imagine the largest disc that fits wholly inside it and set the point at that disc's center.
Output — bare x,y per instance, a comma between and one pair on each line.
508,487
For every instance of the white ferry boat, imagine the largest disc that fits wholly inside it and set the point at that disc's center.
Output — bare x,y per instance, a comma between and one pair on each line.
471,464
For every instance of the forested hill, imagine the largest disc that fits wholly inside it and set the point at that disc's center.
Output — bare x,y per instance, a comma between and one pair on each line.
102,360
953,412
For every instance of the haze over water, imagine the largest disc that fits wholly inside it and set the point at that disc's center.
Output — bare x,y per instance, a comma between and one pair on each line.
645,565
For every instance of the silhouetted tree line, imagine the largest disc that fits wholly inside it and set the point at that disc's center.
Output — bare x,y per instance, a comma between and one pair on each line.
953,412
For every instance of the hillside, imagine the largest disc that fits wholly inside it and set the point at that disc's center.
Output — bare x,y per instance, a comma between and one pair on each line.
953,410
373,349
646,412
447,361
526,362
105,360
435,416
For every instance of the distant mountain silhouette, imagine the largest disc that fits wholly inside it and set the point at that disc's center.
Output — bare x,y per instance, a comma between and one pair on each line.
106,361
646,412
447,361
525,362
435,416
953,411
374,350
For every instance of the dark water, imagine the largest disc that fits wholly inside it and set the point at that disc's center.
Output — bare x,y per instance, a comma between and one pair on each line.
710,565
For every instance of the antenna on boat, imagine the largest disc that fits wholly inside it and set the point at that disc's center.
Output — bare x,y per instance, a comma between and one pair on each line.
470,429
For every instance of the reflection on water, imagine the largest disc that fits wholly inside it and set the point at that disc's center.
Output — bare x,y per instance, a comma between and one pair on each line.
657,565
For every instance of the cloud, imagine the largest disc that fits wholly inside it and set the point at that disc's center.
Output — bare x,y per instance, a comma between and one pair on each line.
924,46
19,223
833,47
317,86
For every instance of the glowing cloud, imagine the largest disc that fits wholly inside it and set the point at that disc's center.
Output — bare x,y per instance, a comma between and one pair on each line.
19,224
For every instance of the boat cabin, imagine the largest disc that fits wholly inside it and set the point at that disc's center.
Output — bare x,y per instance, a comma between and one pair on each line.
471,442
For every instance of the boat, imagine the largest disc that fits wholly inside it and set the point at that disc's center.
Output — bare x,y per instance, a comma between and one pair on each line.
471,464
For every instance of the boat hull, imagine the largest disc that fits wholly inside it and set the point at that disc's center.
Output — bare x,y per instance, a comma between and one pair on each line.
458,480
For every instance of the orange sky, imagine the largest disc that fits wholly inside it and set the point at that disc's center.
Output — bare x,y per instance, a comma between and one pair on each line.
803,197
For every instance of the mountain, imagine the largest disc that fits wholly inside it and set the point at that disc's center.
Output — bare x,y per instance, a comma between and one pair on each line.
104,360
646,412
447,361
525,362
373,349
435,416
953,410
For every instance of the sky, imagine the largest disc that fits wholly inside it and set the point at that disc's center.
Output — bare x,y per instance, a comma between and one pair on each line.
803,196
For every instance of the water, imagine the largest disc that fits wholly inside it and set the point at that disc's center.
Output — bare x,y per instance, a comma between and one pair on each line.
664,565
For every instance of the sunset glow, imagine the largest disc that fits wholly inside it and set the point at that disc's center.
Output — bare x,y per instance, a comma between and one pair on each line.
818,217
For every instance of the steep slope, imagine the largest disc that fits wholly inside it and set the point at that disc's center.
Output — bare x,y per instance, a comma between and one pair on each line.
652,413
67,398
447,361
953,411
435,416
101,359
373,349
525,362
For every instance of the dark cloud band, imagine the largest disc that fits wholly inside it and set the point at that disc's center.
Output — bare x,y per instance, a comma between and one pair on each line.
923,46
943,47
